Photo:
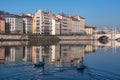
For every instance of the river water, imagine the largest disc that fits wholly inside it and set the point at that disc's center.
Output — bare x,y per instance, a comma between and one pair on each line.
101,61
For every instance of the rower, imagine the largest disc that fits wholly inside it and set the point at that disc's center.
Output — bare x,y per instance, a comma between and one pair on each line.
80,65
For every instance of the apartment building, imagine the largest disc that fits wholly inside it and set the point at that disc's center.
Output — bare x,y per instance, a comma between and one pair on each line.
81,28
14,24
56,26
75,26
89,30
43,22
70,25
2,25
27,24
65,24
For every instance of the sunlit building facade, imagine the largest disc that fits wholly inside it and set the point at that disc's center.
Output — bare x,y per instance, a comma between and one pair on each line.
56,26
2,25
27,24
90,30
70,25
14,24
65,24
43,22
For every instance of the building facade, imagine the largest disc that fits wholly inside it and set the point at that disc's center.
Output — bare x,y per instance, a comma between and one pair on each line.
14,24
70,25
81,28
2,25
33,22
27,24
55,26
75,26
89,30
65,24
43,22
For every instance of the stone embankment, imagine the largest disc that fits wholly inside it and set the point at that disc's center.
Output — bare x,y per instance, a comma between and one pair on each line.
43,39
13,37
37,39
75,37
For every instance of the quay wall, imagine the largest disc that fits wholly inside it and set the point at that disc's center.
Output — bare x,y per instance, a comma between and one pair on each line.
7,37
69,38
37,38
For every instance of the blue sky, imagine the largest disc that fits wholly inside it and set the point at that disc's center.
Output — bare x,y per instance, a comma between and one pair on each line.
99,13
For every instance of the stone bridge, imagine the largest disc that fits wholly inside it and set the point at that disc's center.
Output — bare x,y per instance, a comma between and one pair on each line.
109,36
111,43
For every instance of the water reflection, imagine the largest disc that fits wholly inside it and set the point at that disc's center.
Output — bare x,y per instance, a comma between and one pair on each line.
62,57
58,54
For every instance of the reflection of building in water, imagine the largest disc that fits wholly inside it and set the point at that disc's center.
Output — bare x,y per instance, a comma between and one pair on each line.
13,54
49,53
27,53
90,48
71,53
36,54
55,52
18,54
41,52
67,53
2,55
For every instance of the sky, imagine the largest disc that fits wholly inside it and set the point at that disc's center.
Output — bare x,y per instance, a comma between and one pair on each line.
98,13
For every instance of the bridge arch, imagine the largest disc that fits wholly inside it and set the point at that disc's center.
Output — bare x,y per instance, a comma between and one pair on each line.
103,38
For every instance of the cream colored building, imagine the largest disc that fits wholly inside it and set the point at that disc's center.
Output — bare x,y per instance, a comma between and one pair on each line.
66,24
81,29
75,26
27,24
55,26
43,22
89,30
71,24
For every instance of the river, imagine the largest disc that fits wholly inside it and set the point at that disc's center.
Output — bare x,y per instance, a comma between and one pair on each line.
101,61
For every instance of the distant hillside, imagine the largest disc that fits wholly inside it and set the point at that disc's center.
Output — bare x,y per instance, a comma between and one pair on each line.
3,13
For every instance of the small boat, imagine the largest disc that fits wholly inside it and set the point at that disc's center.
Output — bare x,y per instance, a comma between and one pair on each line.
80,66
39,64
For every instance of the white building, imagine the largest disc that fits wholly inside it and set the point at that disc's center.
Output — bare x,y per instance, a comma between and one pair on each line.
75,26
55,26
43,22
82,24
14,23
27,24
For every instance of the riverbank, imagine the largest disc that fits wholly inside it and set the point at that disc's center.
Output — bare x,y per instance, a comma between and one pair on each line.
43,38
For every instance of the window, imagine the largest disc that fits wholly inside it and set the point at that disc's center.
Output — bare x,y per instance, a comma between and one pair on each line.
37,17
37,23
37,20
